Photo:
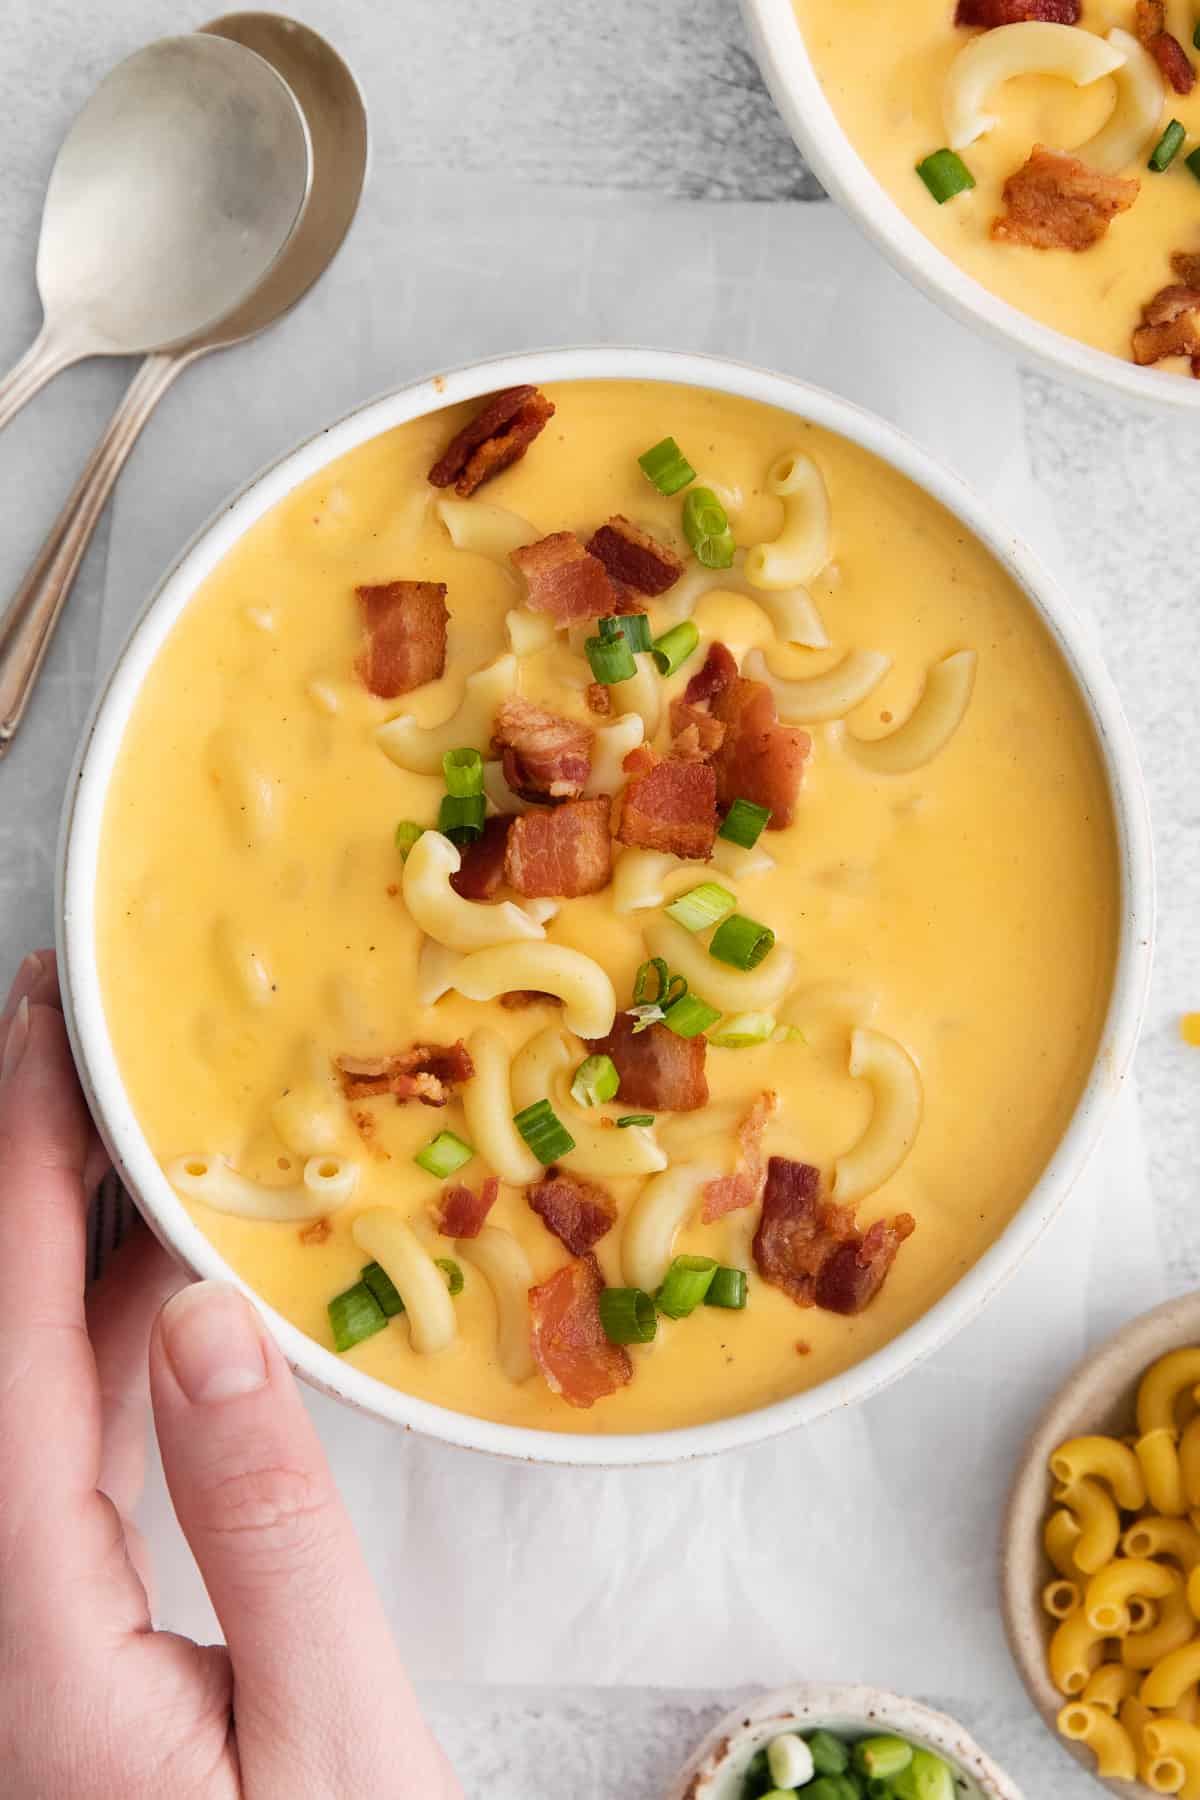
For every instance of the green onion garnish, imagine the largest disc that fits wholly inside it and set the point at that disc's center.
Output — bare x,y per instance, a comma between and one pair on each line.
461,816
627,1315
744,823
596,1081
376,1277
635,1119
1196,38
741,942
830,1755
688,1016
742,1030
1192,159
673,648
702,906
1167,147
926,1778
544,1132
353,1316
706,528
945,174
610,657
463,770
882,1756
634,626
407,834
444,1155
657,968
727,1288
688,1281
789,1034
453,1274
666,466
646,1016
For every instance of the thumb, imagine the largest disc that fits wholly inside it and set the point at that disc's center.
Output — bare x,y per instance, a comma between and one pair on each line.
317,1678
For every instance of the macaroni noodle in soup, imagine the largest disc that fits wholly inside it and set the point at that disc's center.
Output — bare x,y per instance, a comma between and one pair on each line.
608,903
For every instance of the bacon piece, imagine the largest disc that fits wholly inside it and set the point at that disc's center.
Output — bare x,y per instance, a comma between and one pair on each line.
498,436
1150,23
460,1212
564,853
719,672
599,699
318,1231
564,579
759,759
695,734
577,1212
634,558
657,1069
669,804
405,624
426,1072
544,757
1056,202
1171,325
482,868
729,1192
812,1248
990,13
569,1343
1186,264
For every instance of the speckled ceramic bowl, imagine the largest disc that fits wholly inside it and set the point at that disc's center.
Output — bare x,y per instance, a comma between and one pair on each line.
716,1768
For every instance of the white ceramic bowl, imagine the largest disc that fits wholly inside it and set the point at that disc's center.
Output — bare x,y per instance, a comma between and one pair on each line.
715,1769
789,73
80,845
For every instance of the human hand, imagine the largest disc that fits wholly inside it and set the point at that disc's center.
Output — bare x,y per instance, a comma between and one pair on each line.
310,1700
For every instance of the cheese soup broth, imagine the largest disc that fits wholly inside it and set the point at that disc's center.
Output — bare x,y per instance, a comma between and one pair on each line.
977,896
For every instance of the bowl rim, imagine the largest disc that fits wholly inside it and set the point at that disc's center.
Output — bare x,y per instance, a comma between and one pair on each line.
792,80
81,831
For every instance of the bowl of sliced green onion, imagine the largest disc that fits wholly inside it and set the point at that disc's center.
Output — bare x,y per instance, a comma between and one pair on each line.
828,1742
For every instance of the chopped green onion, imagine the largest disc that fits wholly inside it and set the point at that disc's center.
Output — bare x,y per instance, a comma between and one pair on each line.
1196,38
353,1316
407,834
634,627
596,1081
376,1277
688,1016
463,770
627,1315
878,1789
666,466
882,1756
945,174
741,942
742,1030
688,1280
789,1761
544,1132
453,1274
702,906
611,659
646,1016
672,649
826,1787
1192,159
830,1755
706,528
641,982
1167,147
744,823
789,1034
460,817
444,1155
927,1777
728,1288
635,1119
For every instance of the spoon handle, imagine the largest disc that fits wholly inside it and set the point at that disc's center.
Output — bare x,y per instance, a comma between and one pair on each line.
27,624
46,356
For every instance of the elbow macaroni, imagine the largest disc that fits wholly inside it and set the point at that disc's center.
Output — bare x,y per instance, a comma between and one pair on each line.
791,612
610,747
1110,1590
1105,1737
589,1001
985,62
930,725
1107,1460
505,1267
444,915
898,1099
487,530
420,748
805,543
1135,117
539,1072
488,1107
655,1219
326,1184
1176,1743
732,990
395,1246
814,699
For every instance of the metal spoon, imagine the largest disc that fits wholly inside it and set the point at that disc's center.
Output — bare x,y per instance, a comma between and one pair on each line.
337,121
175,191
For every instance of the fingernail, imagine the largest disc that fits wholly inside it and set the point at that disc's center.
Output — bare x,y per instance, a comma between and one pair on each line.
214,1343
15,1042
23,981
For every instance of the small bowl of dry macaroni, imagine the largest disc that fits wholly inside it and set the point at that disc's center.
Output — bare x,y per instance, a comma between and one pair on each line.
1101,1571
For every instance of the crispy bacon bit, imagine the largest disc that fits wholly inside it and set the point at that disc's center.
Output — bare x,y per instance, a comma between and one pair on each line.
498,436
577,1212
564,853
1056,202
695,734
427,1072
812,1248
990,13
482,868
1150,23
1186,264
729,1192
719,672
405,624
669,804
564,579
657,1070
544,757
759,759
1171,325
318,1231
634,558
569,1343
599,699
460,1212
523,997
